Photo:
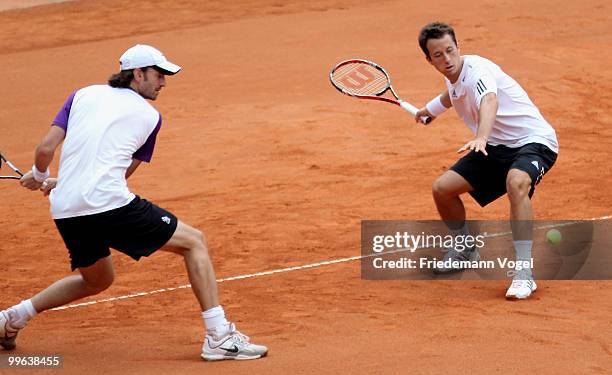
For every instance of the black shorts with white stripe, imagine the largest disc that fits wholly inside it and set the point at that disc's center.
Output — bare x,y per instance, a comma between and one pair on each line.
137,229
487,174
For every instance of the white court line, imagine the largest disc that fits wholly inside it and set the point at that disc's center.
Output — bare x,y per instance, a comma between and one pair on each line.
282,270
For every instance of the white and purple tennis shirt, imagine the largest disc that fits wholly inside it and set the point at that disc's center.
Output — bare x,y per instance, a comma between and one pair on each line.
105,129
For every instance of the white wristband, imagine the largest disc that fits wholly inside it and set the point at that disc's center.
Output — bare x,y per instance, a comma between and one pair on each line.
38,175
435,106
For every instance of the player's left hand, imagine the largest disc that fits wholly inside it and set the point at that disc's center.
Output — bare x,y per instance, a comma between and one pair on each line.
479,145
48,185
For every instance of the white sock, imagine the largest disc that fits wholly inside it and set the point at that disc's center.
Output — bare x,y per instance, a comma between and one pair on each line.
523,249
463,231
25,311
523,252
215,319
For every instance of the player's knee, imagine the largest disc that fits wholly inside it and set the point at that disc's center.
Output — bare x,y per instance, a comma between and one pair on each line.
437,189
518,184
100,283
196,239
197,255
196,243
440,188
188,238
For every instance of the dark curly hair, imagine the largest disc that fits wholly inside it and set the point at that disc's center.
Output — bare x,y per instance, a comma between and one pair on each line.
123,79
434,30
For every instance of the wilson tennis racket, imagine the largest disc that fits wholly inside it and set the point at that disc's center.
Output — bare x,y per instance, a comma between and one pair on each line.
364,79
12,166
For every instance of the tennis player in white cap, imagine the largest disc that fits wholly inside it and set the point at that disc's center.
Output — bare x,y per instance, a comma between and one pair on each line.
107,131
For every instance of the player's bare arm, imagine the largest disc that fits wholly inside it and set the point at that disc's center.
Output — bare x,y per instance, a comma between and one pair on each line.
43,157
132,168
486,118
445,99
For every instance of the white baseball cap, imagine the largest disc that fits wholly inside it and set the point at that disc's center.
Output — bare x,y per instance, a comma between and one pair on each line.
142,55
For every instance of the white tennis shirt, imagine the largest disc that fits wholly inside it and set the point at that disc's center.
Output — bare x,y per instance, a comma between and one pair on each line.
518,120
105,129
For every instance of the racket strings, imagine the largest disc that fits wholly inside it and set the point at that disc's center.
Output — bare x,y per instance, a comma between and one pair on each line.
358,78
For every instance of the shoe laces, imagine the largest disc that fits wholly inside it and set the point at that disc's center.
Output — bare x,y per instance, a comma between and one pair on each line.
521,275
520,278
13,320
231,333
518,283
241,337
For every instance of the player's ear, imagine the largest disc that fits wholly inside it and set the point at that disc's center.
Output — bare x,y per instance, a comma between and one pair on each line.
138,74
427,54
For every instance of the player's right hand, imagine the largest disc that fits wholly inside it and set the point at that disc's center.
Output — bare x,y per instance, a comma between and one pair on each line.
28,182
423,112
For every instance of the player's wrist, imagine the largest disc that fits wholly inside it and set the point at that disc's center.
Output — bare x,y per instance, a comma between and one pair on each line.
38,175
435,106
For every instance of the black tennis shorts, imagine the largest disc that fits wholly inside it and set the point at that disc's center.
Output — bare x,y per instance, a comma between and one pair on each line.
487,174
137,229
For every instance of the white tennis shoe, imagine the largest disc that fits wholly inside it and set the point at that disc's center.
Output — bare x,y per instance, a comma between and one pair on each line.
230,345
8,329
522,285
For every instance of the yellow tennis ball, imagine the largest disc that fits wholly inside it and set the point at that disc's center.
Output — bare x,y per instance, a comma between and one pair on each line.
553,236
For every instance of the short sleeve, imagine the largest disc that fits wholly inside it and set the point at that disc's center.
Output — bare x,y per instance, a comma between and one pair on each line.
61,119
145,152
484,83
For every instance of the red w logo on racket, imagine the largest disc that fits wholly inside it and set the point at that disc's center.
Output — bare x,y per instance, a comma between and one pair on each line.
358,78
366,80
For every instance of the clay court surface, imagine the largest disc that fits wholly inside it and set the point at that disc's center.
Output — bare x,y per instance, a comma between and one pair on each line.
278,169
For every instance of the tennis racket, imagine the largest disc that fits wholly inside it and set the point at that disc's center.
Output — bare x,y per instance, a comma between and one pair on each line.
12,166
364,79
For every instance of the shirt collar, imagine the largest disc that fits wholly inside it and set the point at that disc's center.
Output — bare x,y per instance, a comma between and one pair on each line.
458,88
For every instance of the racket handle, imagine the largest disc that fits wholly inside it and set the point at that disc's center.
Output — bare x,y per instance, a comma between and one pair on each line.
413,110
